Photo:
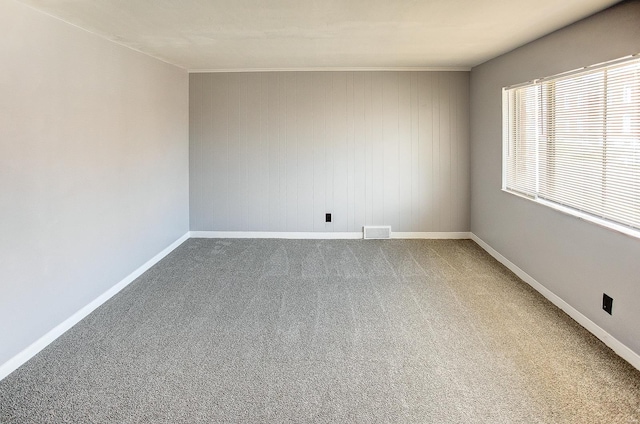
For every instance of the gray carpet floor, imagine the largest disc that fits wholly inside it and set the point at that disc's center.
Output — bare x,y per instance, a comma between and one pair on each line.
394,331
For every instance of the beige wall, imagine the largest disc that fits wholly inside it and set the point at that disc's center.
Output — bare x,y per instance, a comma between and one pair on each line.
276,151
93,168
575,259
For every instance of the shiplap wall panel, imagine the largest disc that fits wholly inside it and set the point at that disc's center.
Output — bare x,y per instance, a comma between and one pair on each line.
390,142
404,152
359,151
338,106
377,147
318,141
435,201
276,151
444,144
305,155
415,153
425,173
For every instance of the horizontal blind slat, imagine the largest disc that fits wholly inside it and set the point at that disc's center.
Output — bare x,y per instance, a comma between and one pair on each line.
575,140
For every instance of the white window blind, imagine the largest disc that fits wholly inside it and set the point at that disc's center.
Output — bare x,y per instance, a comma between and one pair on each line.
574,140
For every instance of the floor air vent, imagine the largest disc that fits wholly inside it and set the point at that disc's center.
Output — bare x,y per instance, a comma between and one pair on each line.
377,232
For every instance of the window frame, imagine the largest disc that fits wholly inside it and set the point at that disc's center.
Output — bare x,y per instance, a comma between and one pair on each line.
508,120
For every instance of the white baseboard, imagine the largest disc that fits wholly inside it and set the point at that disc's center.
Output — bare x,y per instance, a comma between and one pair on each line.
616,345
431,235
35,347
325,235
276,235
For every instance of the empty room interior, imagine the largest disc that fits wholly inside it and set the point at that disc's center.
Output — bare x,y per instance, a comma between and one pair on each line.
306,211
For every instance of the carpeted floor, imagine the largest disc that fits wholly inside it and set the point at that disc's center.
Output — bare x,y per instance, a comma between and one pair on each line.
394,331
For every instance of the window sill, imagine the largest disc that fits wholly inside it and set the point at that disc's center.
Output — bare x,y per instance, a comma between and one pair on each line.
619,228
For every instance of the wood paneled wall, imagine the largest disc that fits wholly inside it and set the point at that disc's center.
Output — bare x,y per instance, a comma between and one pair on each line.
275,151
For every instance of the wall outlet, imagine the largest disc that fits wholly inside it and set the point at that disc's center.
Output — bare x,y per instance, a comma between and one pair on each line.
327,217
607,303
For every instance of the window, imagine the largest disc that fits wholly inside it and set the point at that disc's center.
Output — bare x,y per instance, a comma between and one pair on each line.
572,142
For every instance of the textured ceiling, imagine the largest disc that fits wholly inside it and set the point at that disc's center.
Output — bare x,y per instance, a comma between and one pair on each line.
303,34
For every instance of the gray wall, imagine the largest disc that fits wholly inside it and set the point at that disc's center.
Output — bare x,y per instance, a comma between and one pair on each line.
575,259
93,168
275,151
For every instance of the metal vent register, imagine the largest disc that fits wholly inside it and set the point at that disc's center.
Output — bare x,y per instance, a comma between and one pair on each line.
377,232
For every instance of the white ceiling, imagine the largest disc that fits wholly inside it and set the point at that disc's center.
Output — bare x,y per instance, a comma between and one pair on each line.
318,34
